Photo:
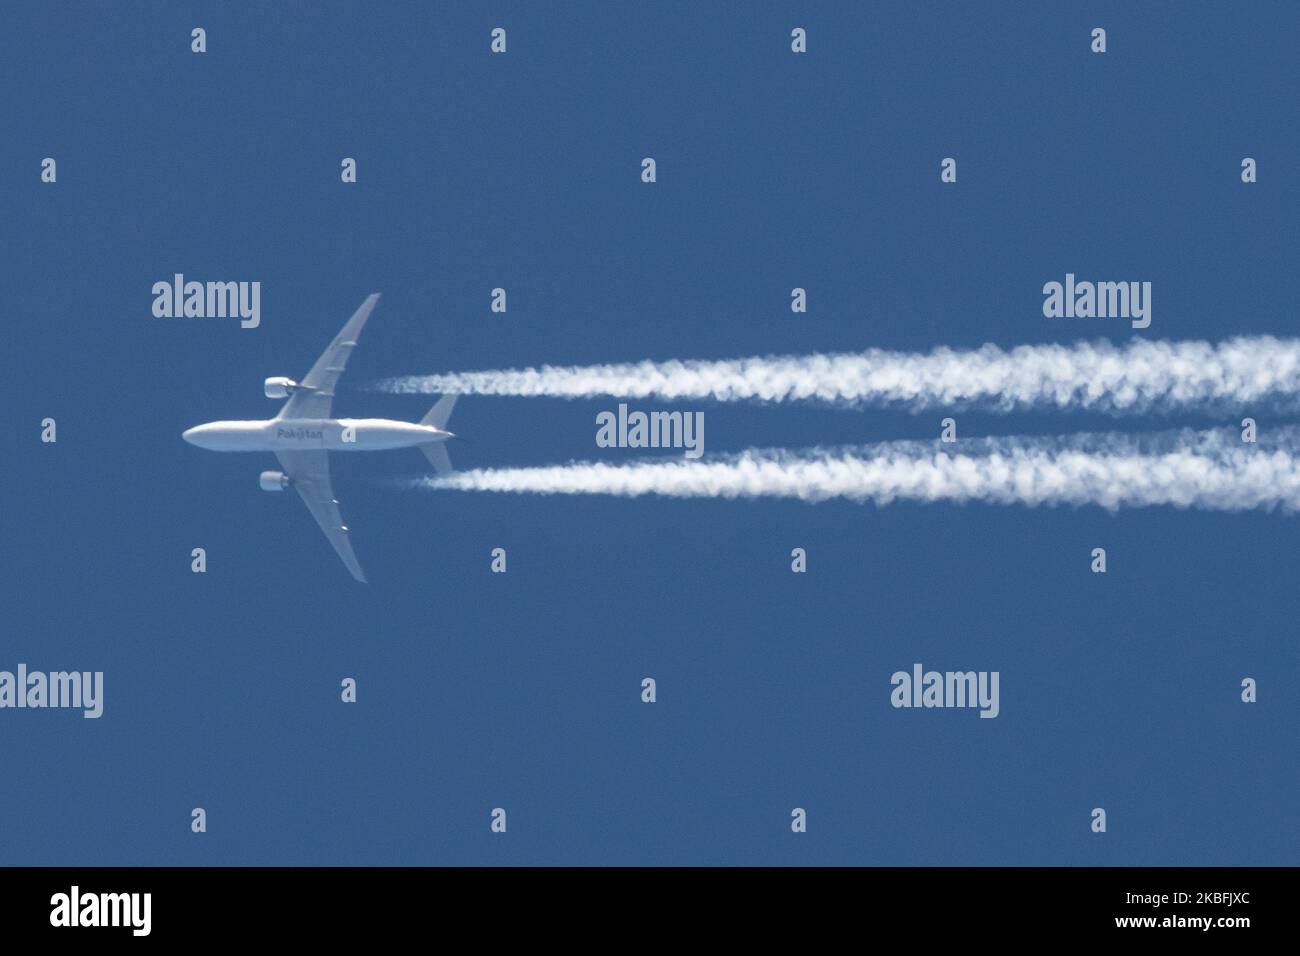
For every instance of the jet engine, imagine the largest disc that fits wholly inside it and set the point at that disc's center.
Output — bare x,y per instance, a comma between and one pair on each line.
273,480
278,387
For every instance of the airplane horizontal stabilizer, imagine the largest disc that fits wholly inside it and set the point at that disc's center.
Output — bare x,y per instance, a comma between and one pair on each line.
441,412
436,452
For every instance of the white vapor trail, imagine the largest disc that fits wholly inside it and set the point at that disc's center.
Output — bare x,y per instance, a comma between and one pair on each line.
1097,376
1184,469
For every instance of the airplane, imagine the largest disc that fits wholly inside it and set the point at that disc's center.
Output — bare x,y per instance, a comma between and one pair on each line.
303,435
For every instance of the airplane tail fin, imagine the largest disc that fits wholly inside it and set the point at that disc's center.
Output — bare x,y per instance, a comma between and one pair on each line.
440,412
438,457
436,452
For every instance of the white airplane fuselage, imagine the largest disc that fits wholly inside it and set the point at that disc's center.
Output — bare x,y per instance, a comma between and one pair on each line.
304,434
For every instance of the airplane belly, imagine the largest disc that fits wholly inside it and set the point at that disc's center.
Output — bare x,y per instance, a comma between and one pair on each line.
370,436
343,435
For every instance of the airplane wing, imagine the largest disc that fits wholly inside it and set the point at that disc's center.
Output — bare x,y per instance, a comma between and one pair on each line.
315,393
309,471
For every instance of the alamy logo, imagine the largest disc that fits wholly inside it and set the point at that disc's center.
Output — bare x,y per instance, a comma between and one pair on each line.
36,689
949,689
653,430
209,300
1098,300
103,909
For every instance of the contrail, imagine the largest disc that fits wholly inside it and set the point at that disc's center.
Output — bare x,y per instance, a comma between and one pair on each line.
1185,469
1140,376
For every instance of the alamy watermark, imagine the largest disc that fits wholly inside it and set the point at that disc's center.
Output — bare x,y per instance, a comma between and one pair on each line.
209,300
922,688
76,908
78,690
1098,300
651,430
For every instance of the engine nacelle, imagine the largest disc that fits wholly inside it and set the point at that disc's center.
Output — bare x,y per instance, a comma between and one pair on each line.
273,480
278,387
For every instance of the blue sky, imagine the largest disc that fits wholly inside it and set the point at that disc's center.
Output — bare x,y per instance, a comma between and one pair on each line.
522,690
